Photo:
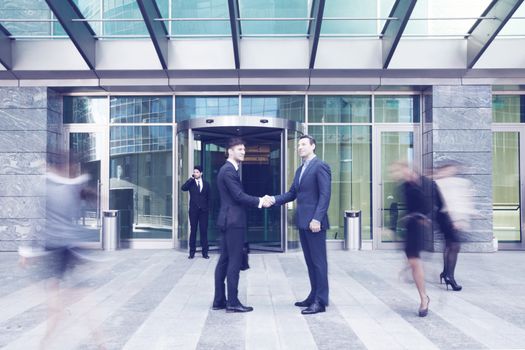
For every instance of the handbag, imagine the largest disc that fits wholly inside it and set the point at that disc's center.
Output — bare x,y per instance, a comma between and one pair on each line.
245,251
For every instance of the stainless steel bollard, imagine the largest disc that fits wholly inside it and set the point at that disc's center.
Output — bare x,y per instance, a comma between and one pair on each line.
352,230
110,230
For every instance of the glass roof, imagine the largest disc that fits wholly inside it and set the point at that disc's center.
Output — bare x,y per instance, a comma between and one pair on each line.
28,18
355,17
265,18
284,17
444,17
190,15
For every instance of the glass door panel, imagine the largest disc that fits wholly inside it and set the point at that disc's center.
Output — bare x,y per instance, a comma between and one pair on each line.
85,157
393,146
506,186
292,163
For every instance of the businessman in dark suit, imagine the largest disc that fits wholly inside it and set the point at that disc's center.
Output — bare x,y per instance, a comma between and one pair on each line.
232,224
312,188
198,212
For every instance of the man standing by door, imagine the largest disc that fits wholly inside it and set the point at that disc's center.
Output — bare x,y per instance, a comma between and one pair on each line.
312,188
199,203
232,224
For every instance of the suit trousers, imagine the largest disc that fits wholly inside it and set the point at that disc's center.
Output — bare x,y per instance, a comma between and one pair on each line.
314,250
229,266
199,217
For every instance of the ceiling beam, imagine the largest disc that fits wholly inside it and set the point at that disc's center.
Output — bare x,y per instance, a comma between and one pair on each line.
6,48
80,32
314,30
485,30
233,7
157,29
394,28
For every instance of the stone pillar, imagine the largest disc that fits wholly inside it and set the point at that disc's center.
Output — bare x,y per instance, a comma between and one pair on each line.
30,127
457,126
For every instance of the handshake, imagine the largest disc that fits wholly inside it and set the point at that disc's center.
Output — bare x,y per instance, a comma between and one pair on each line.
267,201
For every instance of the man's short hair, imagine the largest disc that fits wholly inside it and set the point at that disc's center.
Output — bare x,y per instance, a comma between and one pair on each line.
198,167
235,141
310,138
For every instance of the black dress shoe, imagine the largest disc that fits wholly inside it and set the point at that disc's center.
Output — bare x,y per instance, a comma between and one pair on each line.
218,306
314,309
238,308
304,303
205,256
191,256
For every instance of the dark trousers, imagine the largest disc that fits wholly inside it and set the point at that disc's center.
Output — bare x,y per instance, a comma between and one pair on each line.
229,266
314,250
199,217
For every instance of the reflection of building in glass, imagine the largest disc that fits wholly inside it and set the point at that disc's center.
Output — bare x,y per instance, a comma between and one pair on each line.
136,109
141,179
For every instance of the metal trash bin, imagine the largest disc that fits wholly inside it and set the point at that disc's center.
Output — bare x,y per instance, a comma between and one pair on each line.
110,229
352,230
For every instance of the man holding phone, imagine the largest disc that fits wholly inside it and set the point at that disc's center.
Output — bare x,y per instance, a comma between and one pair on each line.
199,204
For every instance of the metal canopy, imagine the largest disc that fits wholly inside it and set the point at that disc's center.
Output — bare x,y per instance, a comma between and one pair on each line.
78,30
233,7
314,30
485,30
157,30
394,27
6,51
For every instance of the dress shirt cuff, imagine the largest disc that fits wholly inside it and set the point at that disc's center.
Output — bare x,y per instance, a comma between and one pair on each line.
260,203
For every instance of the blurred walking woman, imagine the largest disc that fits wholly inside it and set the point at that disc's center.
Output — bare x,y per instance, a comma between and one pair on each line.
415,221
453,216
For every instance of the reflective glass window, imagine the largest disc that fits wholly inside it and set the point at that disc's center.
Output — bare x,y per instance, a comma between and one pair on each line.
123,9
141,180
339,109
508,108
274,9
90,9
27,11
285,107
141,109
192,107
85,109
347,149
184,9
396,109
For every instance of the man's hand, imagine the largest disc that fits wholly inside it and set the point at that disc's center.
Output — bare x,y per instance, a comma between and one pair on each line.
268,201
315,226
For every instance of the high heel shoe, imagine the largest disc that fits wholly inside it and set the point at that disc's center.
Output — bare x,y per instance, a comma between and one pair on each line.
455,286
424,312
441,277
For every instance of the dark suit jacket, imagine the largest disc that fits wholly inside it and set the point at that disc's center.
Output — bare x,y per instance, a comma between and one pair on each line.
198,200
312,194
233,199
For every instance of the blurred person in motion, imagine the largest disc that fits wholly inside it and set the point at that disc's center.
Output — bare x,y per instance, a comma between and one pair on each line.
455,208
59,248
411,189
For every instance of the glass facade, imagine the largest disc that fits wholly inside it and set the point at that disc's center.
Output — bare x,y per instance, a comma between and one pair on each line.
198,9
85,109
339,109
140,158
508,109
140,184
347,149
285,107
192,107
146,109
396,109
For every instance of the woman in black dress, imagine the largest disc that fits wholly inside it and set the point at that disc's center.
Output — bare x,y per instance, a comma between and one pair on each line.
415,221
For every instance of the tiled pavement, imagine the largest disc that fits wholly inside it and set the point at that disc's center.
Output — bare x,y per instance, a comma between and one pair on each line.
140,299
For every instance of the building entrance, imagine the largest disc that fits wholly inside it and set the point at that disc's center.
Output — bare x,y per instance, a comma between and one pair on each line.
264,171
